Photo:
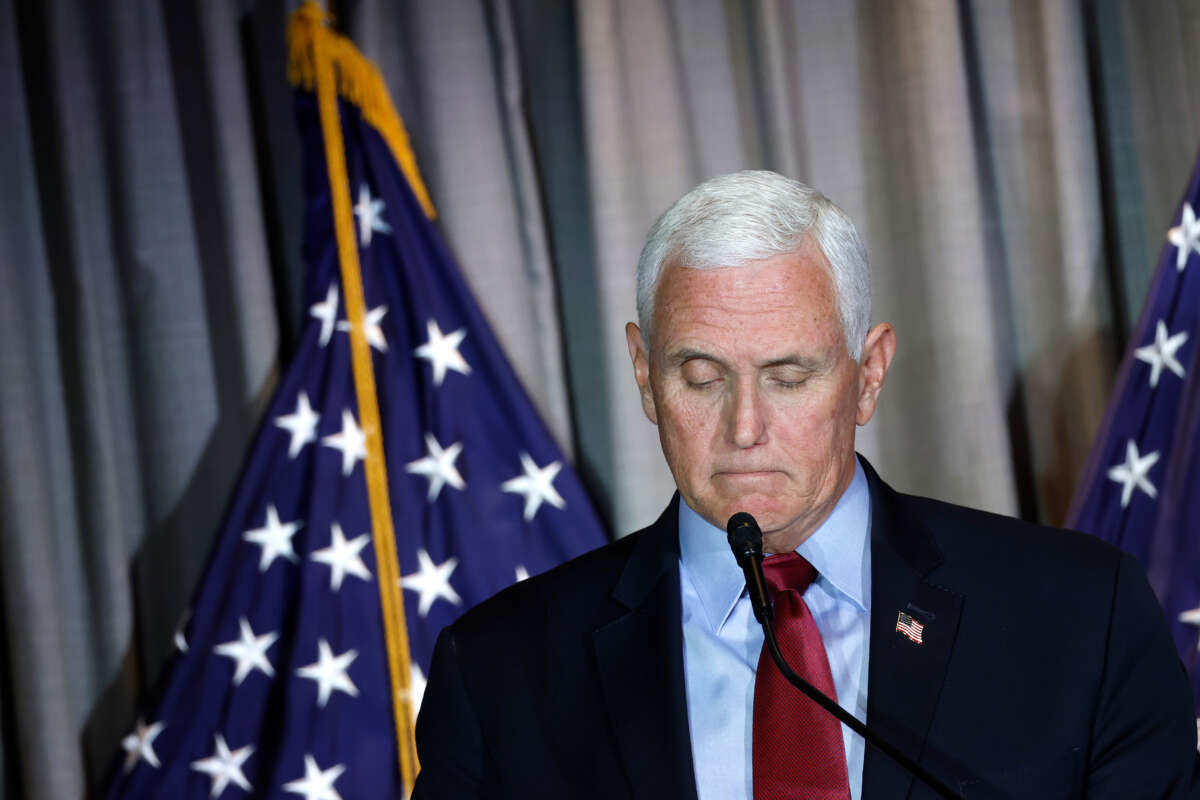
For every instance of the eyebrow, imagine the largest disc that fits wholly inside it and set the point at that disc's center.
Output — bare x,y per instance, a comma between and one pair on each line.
806,363
687,354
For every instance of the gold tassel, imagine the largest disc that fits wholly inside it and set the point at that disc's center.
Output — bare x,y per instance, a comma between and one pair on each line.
358,81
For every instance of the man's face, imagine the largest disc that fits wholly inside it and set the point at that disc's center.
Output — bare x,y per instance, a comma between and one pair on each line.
754,394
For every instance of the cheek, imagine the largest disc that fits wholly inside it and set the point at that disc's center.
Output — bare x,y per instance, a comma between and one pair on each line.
689,427
841,424
686,427
817,427
850,406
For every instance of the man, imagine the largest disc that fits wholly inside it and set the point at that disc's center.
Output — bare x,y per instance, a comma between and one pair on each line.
1009,660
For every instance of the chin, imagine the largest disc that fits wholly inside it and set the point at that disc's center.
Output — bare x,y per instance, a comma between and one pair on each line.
765,510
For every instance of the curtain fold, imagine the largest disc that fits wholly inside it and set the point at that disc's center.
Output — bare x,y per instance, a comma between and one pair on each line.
138,276
1012,165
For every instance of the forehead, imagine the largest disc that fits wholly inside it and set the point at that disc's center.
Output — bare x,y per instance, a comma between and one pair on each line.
787,299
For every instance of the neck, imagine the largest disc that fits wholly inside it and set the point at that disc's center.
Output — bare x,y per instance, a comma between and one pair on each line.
788,539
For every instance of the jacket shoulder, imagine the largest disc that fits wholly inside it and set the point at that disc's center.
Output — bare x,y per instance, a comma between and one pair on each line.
975,543
582,587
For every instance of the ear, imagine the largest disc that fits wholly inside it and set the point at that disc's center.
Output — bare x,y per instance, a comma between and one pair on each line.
641,369
878,350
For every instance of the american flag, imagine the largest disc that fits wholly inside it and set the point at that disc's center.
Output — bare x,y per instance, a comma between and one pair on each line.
280,686
909,627
1141,490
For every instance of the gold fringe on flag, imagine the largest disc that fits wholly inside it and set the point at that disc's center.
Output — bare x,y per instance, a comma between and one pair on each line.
358,80
323,61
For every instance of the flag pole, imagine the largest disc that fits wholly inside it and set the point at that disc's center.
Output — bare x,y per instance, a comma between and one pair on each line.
320,59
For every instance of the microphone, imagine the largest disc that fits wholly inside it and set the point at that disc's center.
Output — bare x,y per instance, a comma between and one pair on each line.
745,539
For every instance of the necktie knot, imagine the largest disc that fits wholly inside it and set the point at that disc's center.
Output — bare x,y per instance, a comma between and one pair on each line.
788,571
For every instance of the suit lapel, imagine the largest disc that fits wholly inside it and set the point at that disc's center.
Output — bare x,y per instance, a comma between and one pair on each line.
905,678
639,656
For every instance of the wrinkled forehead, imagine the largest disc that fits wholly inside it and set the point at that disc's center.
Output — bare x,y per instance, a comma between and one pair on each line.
789,295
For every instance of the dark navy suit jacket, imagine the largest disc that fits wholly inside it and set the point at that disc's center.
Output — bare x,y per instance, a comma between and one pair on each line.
1046,671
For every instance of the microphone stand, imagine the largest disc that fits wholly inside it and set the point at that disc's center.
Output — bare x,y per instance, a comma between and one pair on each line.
851,721
745,539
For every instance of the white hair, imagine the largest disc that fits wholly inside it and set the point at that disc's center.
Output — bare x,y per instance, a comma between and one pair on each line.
736,219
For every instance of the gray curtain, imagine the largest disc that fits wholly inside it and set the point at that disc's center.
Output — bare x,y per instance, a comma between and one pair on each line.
1013,166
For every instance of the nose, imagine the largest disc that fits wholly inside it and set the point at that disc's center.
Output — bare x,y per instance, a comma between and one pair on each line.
748,425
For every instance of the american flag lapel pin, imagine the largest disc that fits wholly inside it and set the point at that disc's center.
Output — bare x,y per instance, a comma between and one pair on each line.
908,626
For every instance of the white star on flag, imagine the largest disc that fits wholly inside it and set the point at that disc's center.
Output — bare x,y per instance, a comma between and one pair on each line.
224,766
329,671
438,466
301,424
1162,353
442,352
316,784
351,441
275,539
343,557
326,311
416,688
370,215
1185,236
371,328
180,642
1133,473
1191,618
139,745
431,582
537,485
249,651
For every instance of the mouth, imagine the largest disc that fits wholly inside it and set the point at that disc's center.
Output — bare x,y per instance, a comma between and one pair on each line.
746,474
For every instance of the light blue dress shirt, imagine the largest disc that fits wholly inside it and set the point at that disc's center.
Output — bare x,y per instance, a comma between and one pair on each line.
722,640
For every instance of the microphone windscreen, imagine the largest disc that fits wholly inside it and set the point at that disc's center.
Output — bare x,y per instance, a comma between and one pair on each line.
745,537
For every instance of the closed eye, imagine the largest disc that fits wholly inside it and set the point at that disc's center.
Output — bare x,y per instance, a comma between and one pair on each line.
788,376
701,373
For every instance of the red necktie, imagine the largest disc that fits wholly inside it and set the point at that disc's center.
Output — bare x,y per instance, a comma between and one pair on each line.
798,750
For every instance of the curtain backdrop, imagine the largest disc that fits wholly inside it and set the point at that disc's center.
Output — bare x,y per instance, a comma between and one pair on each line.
1012,164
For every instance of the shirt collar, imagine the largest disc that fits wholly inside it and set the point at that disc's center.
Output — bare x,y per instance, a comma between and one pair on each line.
837,550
